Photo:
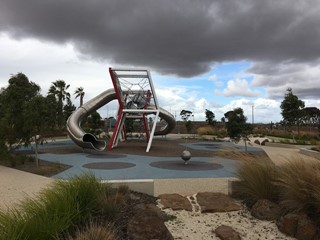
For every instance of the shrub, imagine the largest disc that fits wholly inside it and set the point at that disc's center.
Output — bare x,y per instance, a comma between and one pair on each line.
299,182
95,231
205,131
31,158
221,133
56,210
294,185
110,203
257,181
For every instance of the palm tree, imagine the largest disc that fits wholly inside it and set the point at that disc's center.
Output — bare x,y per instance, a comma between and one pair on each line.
59,90
79,93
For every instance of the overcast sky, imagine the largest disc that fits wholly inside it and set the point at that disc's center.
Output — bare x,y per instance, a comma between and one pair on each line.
204,54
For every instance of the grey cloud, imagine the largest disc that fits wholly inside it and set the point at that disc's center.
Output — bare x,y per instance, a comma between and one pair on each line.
302,93
303,78
180,37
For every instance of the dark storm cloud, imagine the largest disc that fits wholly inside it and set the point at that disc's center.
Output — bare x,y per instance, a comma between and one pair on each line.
178,37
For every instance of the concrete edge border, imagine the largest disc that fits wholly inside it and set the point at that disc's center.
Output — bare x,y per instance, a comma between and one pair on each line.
310,153
282,145
183,186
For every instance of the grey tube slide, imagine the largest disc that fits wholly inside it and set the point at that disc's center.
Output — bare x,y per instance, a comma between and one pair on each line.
87,140
76,133
168,117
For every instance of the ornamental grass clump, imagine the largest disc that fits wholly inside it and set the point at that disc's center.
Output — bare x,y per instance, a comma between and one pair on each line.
57,210
299,182
111,201
95,231
256,181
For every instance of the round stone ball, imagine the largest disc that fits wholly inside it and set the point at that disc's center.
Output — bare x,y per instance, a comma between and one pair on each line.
186,155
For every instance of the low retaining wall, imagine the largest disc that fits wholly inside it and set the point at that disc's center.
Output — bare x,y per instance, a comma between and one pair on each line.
310,153
282,145
155,187
141,185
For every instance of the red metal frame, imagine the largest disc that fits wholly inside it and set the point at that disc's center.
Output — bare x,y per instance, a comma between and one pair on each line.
123,111
120,112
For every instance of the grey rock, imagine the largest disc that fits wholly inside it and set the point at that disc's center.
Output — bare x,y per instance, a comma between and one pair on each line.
227,233
264,209
217,202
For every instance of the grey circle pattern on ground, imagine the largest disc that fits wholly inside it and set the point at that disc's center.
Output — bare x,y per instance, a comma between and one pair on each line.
191,166
208,145
109,165
106,155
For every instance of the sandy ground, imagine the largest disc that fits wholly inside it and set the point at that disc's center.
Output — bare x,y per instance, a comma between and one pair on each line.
16,185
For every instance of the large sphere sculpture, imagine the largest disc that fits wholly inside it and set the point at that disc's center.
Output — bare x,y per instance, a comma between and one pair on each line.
186,155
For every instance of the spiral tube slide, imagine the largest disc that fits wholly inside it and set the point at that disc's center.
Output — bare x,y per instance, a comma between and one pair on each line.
87,140
168,117
76,133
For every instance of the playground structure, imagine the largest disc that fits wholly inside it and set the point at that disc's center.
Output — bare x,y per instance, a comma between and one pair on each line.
134,90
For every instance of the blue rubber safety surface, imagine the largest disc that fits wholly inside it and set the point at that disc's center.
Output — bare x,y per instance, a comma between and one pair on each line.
115,166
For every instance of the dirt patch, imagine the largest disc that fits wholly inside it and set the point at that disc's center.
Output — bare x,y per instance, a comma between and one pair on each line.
47,169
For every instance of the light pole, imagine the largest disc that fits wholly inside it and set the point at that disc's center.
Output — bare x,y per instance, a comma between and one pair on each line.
252,114
193,128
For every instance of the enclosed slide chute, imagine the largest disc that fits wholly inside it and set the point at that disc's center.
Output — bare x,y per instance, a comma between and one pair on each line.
132,103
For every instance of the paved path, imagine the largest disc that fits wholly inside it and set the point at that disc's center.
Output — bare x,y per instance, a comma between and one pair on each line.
282,155
15,185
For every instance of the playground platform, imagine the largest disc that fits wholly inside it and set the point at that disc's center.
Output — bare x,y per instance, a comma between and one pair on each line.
161,172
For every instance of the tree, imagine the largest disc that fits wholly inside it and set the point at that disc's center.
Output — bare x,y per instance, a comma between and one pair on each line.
210,117
51,114
236,123
3,147
292,109
14,100
59,90
312,116
68,109
94,120
93,123
36,112
185,114
79,94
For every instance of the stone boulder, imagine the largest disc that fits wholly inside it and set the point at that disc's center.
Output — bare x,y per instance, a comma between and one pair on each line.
288,224
264,209
175,202
152,207
227,233
257,141
298,225
264,142
217,202
147,223
306,229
